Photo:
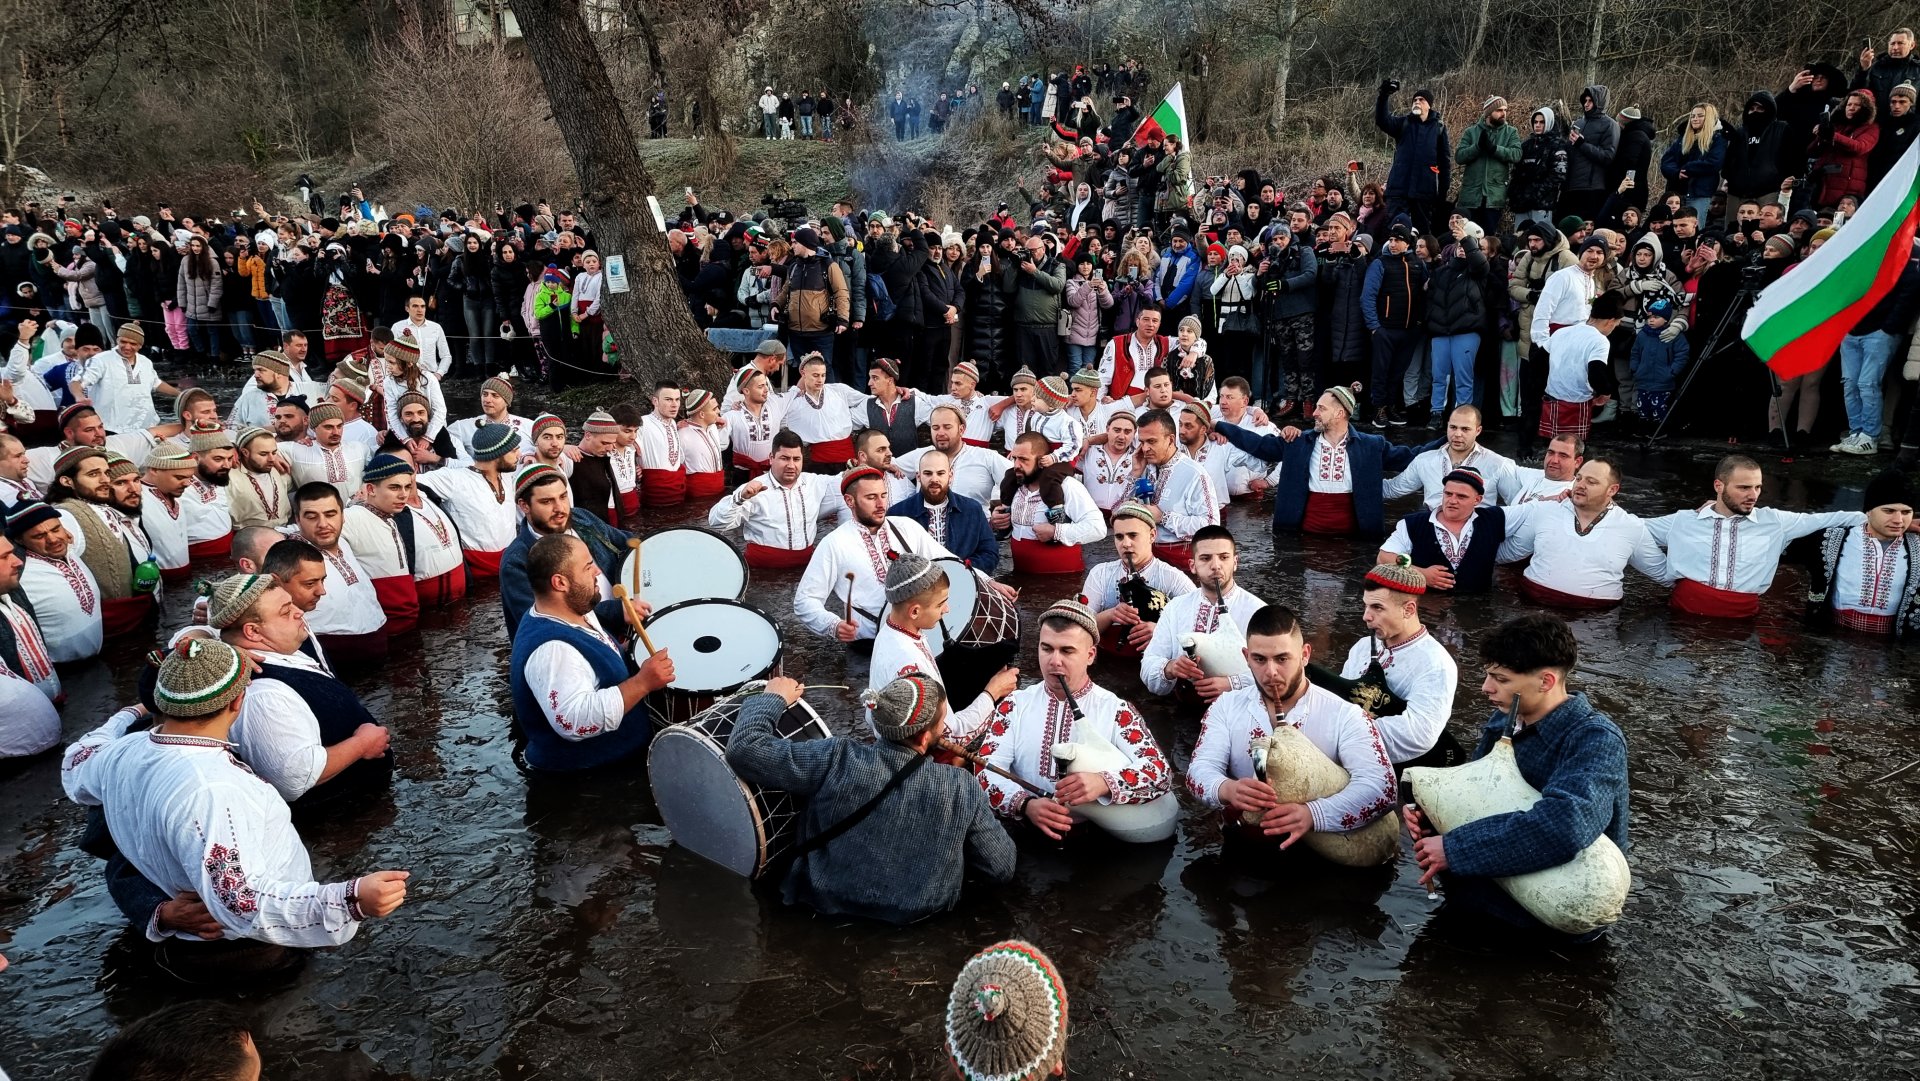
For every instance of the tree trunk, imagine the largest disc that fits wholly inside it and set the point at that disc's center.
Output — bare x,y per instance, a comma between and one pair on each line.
658,336
1593,41
1287,19
1479,32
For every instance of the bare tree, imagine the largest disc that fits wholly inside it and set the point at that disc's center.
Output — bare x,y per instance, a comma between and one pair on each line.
651,320
1286,19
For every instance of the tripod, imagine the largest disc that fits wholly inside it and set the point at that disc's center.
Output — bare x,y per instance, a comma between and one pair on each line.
1736,313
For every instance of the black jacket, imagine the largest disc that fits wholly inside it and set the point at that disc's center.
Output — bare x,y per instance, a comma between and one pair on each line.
1456,293
1342,277
1635,153
1538,176
1756,149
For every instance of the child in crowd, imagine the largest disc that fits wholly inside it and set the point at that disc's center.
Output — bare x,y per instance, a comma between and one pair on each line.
1656,363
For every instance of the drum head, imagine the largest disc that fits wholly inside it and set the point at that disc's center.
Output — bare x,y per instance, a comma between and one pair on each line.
686,564
707,809
715,645
963,592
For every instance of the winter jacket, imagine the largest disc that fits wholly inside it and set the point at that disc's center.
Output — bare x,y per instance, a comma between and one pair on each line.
1701,166
1530,273
900,270
1489,151
813,295
1636,156
1129,299
1394,296
1643,287
1034,298
939,289
85,276
1175,276
1176,181
200,297
1287,287
1541,169
1342,282
1755,161
1589,158
853,267
1085,299
1896,135
1456,291
1802,110
1885,74
755,294
1840,150
1232,302
1657,365
1422,166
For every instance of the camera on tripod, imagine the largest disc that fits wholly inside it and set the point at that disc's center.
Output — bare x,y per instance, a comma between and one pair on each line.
784,206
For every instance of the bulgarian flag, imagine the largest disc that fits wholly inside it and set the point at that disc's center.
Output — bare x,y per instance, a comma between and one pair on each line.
1169,119
1798,321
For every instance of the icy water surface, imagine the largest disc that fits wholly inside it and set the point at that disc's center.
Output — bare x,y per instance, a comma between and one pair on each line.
553,930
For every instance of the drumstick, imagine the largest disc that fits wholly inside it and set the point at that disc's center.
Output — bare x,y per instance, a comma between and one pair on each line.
961,752
849,597
633,618
634,543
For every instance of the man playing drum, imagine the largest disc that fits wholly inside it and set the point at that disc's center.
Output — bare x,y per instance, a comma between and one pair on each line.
578,700
887,834
916,600
778,513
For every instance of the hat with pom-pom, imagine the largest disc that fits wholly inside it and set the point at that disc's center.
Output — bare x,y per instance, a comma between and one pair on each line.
229,599
909,576
1399,576
352,388
906,706
119,465
205,437
1007,1015
695,399
1054,389
499,385
170,456
1076,611
531,476
199,678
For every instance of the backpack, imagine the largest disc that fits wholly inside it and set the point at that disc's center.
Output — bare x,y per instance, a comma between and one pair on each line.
879,299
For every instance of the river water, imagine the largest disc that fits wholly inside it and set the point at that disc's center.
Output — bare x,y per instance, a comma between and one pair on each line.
554,931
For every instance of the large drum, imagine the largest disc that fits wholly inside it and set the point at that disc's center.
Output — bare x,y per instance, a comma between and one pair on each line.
686,564
716,646
979,635
708,808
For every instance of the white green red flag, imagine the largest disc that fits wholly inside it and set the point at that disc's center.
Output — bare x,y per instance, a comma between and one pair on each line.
1798,321
1169,119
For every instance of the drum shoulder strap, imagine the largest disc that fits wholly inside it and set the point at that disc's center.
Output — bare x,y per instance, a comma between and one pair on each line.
827,836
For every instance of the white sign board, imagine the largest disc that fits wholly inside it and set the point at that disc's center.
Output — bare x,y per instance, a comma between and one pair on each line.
617,274
659,219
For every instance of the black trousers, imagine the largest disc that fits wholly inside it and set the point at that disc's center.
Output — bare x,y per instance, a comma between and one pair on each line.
1038,347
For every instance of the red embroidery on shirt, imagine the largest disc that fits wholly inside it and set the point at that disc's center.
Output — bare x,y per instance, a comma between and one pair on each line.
229,880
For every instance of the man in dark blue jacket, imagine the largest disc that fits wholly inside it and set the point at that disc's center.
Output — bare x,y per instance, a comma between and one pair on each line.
1331,482
547,506
954,520
1422,162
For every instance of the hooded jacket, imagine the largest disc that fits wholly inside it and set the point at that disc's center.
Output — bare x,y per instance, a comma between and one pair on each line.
1599,141
1422,166
1885,74
1643,287
1542,168
1755,164
1489,152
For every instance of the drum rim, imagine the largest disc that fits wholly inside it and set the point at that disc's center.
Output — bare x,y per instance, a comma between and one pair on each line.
746,572
949,637
756,815
779,654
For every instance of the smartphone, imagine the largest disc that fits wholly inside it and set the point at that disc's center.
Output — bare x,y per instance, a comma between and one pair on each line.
1100,275
1631,173
1133,272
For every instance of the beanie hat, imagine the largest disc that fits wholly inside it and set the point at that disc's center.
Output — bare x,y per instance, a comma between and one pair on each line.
298,401
1007,1015
1423,93
1343,218
412,397
205,437
1344,396
1492,103
848,478
1783,244
806,237
906,706
499,385
274,361
1398,576
888,366
1591,242
1086,377
352,388
131,332
835,227
199,678
491,442
1904,90
910,575
381,466
532,475
1570,224
601,422
1821,236
169,456
1024,375
88,334
553,275
71,458
403,350
251,433
119,465
1077,611
354,365
1468,476
695,398
320,414
545,421
1661,309
1133,508
1631,112
969,369
1214,249
27,514
1892,486
1054,389
231,597
187,397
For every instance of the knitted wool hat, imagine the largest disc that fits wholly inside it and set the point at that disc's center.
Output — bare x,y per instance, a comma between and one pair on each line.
695,398
905,707
1398,576
852,476
274,361
910,576
251,433
187,397
1492,103
1904,89
403,350
1570,224
969,369
1024,375
532,475
231,597
412,397
1086,377
545,421
1783,244
601,422
70,459
381,466
1133,508
199,678
353,367
1660,309
27,514
888,365
352,388
1077,611
1007,1015
1468,476
1054,389
131,332
1890,487
1345,397
320,414
170,455
499,385
205,437
75,412
491,442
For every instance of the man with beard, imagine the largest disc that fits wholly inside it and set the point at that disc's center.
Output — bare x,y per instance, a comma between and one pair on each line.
416,420
1722,555
974,471
550,444
872,450
210,519
478,495
195,408
1453,546
112,547
1223,773
1399,674
272,381
346,615
853,559
1109,469
1582,546
578,700
164,514
263,493
950,518
403,551
751,421
496,404
350,397
61,590
546,507
81,426
331,458
1218,606
1332,483
1046,536
1174,484
1124,593
292,421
